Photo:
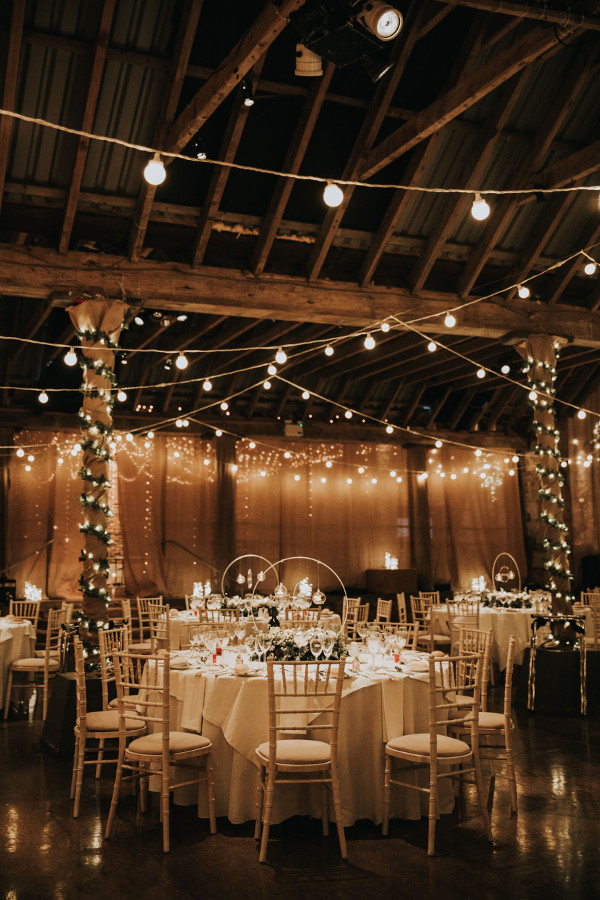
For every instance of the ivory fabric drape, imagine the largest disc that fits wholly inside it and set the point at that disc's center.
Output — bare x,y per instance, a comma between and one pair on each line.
473,518
285,508
584,482
166,494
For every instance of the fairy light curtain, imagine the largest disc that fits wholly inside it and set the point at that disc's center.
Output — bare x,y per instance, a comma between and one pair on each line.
290,501
166,494
474,516
583,474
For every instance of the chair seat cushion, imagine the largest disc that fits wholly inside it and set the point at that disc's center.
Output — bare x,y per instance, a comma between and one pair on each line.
298,751
441,638
419,745
34,664
40,654
179,742
108,720
140,647
491,720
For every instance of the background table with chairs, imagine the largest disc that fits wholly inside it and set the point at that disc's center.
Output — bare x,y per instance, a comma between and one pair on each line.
232,712
17,640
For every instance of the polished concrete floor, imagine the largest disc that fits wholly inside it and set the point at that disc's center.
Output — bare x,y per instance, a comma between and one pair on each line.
551,849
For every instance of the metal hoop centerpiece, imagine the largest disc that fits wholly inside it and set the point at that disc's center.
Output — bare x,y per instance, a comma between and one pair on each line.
259,579
319,563
502,574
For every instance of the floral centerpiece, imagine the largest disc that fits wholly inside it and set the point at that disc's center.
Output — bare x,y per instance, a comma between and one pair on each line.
294,644
506,599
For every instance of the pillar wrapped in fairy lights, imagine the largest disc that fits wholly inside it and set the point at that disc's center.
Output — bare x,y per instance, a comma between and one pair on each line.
541,354
98,324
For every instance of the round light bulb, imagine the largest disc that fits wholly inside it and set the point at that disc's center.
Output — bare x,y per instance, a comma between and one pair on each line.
138,320
328,350
121,396
432,346
348,414
281,356
155,172
581,414
252,445
20,452
505,369
532,395
43,397
267,385
385,327
272,370
224,405
207,384
70,357
181,361
179,423
332,195
481,373
129,437
449,321
305,395
589,268
389,429
369,342
480,209
150,434
523,291
438,444
218,432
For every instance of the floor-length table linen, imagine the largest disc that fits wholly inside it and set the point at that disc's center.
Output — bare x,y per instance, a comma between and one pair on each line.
233,712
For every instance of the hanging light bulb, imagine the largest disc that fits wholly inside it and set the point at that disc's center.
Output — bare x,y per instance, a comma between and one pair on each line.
581,414
267,385
121,396
432,346
348,413
385,327
138,320
43,397
224,405
70,357
532,395
481,373
281,356
505,369
207,384
389,429
333,194
305,395
369,342
590,267
20,452
272,370
155,172
449,321
523,291
328,350
181,361
480,209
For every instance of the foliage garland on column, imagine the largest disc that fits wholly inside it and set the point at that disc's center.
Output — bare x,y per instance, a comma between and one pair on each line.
541,377
98,324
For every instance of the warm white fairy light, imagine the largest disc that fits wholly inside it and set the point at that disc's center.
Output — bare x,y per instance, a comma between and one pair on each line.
589,268
369,342
481,373
20,452
449,321
267,385
305,395
43,397
581,414
480,209
121,396
224,405
332,194
432,346
389,429
207,384
181,362
272,370
328,350
281,357
385,327
523,291
218,432
150,434
348,414
438,444
505,369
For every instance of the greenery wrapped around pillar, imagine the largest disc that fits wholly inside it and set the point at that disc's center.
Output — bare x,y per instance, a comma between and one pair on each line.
541,354
98,324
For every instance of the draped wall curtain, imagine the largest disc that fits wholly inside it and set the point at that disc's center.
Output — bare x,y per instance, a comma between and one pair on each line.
473,518
298,506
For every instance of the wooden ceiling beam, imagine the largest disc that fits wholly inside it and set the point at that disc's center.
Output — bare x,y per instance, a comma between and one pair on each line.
414,403
367,135
454,207
220,176
32,330
531,161
504,399
469,91
389,404
292,162
177,72
87,122
10,85
438,407
538,13
462,408
587,238
571,168
269,24
42,272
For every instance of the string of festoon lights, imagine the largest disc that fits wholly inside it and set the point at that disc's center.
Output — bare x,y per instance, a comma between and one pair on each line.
155,172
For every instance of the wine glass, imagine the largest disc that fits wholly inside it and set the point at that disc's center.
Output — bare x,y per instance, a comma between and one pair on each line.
266,641
194,641
316,645
362,630
373,643
251,644
327,643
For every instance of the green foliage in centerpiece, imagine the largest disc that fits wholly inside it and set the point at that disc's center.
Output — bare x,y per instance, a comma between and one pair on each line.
294,644
506,600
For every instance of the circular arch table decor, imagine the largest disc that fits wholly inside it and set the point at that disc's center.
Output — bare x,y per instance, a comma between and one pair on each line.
504,574
319,563
239,559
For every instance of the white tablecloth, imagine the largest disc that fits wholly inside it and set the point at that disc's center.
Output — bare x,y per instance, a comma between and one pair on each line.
232,711
179,625
17,641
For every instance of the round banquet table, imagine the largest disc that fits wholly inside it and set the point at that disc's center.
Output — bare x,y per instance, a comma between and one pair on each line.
233,712
17,641
179,625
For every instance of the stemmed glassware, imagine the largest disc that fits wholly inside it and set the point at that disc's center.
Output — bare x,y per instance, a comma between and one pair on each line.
327,643
265,640
316,645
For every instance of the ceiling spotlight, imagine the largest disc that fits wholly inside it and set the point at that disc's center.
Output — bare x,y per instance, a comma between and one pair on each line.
121,396
480,209
43,397
308,64
523,291
432,346
181,361
70,357
272,370
182,317
369,342
305,395
333,194
328,350
155,172
197,148
138,320
505,369
207,384
385,327
246,92
281,356
382,20
589,268
449,321
481,373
